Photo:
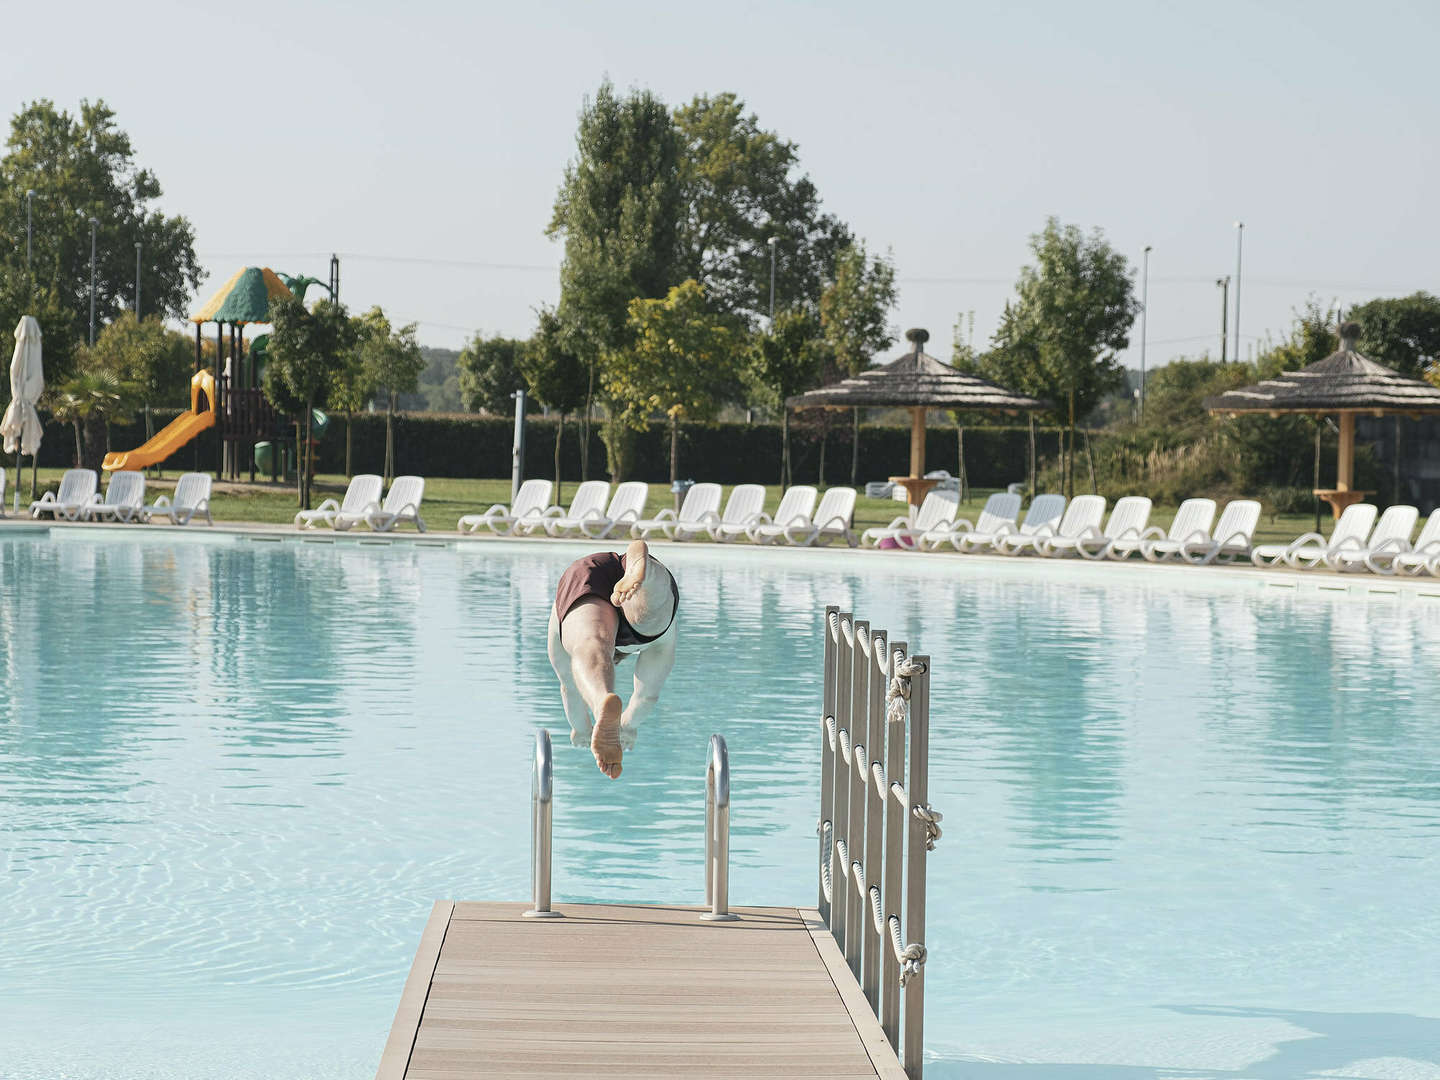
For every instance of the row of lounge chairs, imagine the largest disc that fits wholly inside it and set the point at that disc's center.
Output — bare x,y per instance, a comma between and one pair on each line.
596,514
1358,542
362,505
124,501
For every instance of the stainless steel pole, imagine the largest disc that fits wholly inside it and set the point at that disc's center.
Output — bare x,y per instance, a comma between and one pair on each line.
717,832
517,453
542,792
1144,324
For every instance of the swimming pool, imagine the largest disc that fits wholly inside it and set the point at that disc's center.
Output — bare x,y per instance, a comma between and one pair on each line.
1190,822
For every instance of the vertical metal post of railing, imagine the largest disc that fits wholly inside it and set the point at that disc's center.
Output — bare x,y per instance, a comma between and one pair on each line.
542,791
894,855
839,849
717,832
825,826
858,904
918,842
877,942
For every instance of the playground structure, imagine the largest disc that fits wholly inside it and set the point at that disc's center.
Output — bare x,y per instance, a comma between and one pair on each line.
235,405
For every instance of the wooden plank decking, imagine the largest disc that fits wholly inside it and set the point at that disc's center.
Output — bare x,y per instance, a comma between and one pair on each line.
643,992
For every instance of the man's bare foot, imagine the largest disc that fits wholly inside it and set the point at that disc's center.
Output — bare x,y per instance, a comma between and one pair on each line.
605,740
637,556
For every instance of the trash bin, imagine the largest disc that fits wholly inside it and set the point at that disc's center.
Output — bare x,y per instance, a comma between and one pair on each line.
265,458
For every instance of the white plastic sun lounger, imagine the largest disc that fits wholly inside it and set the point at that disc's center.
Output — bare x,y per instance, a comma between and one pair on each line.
76,495
402,504
1084,512
796,509
1042,518
1127,522
192,498
364,489
625,508
124,498
589,498
702,502
530,502
998,517
1231,539
934,517
742,508
831,522
1422,557
1308,551
1191,525
1391,536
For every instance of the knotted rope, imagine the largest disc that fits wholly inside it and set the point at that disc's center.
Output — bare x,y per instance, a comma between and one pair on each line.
932,818
910,957
897,696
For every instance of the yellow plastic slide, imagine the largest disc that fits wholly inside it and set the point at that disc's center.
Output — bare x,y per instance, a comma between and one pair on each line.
174,434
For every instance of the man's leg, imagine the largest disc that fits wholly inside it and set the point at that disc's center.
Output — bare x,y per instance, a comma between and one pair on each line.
652,667
576,711
588,636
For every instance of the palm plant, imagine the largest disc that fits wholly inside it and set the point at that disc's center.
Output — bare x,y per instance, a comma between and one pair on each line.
88,402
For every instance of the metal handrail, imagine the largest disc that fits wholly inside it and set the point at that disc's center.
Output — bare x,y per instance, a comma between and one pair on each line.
875,825
717,832
542,794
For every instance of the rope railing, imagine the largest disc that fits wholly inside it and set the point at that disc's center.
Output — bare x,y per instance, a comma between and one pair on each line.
876,825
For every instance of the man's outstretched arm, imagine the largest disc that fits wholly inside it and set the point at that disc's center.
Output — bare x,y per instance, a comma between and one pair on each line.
652,668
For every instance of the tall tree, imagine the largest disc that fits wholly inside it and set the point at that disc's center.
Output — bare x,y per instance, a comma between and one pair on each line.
555,376
489,371
854,316
147,354
1401,332
80,168
618,211
741,188
679,354
785,360
391,362
305,348
1071,317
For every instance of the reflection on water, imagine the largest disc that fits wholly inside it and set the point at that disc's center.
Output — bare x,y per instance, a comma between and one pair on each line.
234,776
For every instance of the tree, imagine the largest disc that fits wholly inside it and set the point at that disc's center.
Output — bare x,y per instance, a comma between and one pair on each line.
854,316
618,211
678,355
391,363
740,190
555,377
147,354
787,360
1402,333
81,168
489,371
89,400
350,390
1071,316
306,347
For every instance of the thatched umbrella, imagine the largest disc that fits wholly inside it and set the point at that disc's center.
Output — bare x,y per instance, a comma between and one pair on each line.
916,381
1345,383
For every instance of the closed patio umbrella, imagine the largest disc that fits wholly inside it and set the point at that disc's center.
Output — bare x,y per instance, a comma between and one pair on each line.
21,425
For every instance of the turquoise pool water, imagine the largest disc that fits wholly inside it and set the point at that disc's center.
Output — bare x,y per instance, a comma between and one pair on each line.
1191,823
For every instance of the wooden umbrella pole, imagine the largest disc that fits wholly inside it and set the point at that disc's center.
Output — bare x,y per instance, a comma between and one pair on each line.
1345,466
917,441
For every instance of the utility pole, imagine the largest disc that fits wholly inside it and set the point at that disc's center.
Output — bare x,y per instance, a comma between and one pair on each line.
138,246
93,224
1224,286
1144,323
1239,238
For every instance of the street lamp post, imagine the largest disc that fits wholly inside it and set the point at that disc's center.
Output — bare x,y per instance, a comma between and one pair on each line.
29,198
774,242
138,246
1144,323
1223,284
1239,238
93,223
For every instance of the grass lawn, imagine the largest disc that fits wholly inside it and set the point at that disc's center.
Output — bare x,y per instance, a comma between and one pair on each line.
447,499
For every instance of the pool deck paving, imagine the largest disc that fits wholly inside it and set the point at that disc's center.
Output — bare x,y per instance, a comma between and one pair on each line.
633,991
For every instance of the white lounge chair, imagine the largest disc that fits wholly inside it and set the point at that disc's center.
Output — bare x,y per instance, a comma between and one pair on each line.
589,498
1127,522
701,503
626,506
831,522
1391,536
1191,525
124,498
364,490
76,495
742,508
1084,513
797,506
402,503
530,502
935,515
1308,551
1231,538
998,517
1422,557
192,498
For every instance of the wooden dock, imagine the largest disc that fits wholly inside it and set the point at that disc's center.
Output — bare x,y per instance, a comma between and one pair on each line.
643,992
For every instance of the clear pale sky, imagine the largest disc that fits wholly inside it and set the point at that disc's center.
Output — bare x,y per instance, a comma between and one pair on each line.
424,142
